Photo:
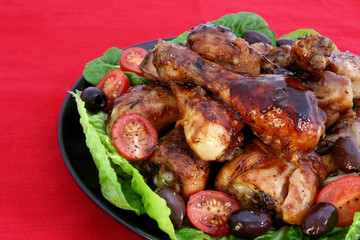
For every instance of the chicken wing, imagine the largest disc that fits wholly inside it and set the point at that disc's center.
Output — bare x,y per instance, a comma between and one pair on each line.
173,165
154,102
212,130
276,107
220,45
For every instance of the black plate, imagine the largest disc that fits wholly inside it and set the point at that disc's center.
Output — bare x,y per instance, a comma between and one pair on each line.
81,166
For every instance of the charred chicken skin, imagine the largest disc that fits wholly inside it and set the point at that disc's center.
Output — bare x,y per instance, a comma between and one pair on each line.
174,165
154,102
212,130
277,108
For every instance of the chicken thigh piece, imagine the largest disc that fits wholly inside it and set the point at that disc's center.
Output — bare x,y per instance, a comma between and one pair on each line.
174,165
257,178
269,180
212,130
276,107
220,45
347,64
154,102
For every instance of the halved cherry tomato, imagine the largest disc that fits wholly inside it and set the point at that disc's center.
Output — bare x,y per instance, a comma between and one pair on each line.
209,210
134,136
358,112
113,84
344,194
131,58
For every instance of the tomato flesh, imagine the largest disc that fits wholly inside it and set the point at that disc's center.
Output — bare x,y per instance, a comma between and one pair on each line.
131,58
134,136
113,84
208,210
344,194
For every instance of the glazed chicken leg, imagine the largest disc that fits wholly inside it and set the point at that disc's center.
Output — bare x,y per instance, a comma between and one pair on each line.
155,102
276,107
212,130
173,165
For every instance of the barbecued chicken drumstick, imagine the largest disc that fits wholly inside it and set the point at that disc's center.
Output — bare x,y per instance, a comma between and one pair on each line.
173,165
276,107
155,102
220,45
212,130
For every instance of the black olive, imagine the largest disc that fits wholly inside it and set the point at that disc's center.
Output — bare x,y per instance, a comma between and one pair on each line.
284,41
346,154
176,204
320,219
254,37
324,147
95,100
249,223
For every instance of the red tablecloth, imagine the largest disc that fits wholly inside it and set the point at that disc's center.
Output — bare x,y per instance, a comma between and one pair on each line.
44,47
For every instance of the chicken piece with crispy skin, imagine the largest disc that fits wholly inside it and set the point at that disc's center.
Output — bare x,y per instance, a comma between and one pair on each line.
220,45
261,47
147,67
277,108
212,130
267,179
277,58
155,102
174,165
304,184
347,126
347,64
311,53
256,178
333,92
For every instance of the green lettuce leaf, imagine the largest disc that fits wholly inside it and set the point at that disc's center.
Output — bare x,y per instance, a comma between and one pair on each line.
135,79
96,69
284,233
354,231
111,189
295,35
124,186
239,23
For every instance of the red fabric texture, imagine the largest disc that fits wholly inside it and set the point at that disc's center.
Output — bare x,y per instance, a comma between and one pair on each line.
44,48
